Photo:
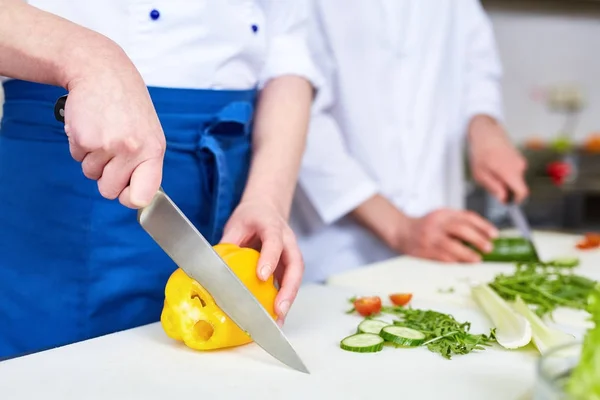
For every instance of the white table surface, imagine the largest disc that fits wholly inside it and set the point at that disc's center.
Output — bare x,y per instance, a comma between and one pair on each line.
143,363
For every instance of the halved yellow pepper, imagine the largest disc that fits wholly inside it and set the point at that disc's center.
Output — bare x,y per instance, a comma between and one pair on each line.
190,314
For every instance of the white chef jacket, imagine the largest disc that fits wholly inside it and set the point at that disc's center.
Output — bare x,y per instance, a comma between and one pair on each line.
402,80
201,44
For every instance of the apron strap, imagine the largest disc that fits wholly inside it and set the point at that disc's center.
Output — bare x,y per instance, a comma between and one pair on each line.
227,142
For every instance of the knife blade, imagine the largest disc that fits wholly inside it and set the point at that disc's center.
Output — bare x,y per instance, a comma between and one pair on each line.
186,246
520,222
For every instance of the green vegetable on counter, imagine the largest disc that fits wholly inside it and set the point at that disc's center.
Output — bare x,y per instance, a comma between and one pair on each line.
509,249
584,381
545,287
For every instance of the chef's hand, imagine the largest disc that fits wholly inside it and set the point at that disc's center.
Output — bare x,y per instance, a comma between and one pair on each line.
495,163
257,224
439,235
114,131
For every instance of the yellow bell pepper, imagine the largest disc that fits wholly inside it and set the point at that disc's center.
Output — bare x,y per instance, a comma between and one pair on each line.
190,314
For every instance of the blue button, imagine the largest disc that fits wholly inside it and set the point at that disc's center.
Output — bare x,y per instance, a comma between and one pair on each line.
154,14
254,28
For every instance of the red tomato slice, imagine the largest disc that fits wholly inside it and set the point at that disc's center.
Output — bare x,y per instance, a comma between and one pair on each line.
590,241
400,299
367,306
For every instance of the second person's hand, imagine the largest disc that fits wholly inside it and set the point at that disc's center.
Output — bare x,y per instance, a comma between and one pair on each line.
114,131
441,235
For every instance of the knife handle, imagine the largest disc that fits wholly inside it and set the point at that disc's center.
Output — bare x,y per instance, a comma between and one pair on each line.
510,196
59,108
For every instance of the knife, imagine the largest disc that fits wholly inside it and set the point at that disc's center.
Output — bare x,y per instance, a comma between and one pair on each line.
520,222
186,246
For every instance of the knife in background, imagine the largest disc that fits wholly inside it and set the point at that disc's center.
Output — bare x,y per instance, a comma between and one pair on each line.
520,222
186,246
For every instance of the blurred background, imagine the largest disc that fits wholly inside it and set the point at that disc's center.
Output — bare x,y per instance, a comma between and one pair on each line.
549,51
551,58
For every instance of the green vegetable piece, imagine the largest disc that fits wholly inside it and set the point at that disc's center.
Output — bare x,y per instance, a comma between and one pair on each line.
402,336
362,343
371,326
584,382
565,262
509,249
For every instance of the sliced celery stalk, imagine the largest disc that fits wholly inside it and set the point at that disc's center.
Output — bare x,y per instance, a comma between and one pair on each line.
544,337
512,329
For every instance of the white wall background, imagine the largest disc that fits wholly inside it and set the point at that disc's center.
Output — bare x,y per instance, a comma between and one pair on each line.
546,43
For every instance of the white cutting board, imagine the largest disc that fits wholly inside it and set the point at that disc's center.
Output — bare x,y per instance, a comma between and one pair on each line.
144,363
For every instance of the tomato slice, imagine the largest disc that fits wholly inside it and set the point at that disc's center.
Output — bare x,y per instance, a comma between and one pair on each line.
400,299
367,306
590,241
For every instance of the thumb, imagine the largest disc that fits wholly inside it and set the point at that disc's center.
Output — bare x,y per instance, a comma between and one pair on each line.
145,182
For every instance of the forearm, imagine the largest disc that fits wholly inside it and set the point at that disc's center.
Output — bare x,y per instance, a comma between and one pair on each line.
279,139
40,47
381,217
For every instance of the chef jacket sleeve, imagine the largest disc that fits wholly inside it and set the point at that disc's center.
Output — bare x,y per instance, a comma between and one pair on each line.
288,52
484,69
334,182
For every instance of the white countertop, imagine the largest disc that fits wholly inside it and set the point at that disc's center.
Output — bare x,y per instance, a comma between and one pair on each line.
145,363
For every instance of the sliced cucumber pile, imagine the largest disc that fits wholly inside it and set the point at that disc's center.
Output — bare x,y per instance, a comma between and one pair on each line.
363,343
402,336
372,334
372,326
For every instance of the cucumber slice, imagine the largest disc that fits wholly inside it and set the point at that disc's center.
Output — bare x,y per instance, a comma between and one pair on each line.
567,262
371,326
362,343
402,335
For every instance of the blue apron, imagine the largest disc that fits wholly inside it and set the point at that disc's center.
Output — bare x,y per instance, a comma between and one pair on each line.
74,265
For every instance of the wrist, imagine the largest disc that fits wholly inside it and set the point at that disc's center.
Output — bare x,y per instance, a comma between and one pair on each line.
275,200
382,218
91,58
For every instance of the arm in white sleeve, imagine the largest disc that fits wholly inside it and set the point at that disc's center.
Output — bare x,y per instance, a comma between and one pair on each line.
289,54
484,69
333,181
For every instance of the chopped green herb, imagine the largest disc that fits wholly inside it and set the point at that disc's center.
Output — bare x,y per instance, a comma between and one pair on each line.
544,286
447,290
443,334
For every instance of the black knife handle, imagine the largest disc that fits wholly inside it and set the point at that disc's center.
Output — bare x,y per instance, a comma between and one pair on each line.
59,108
510,196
